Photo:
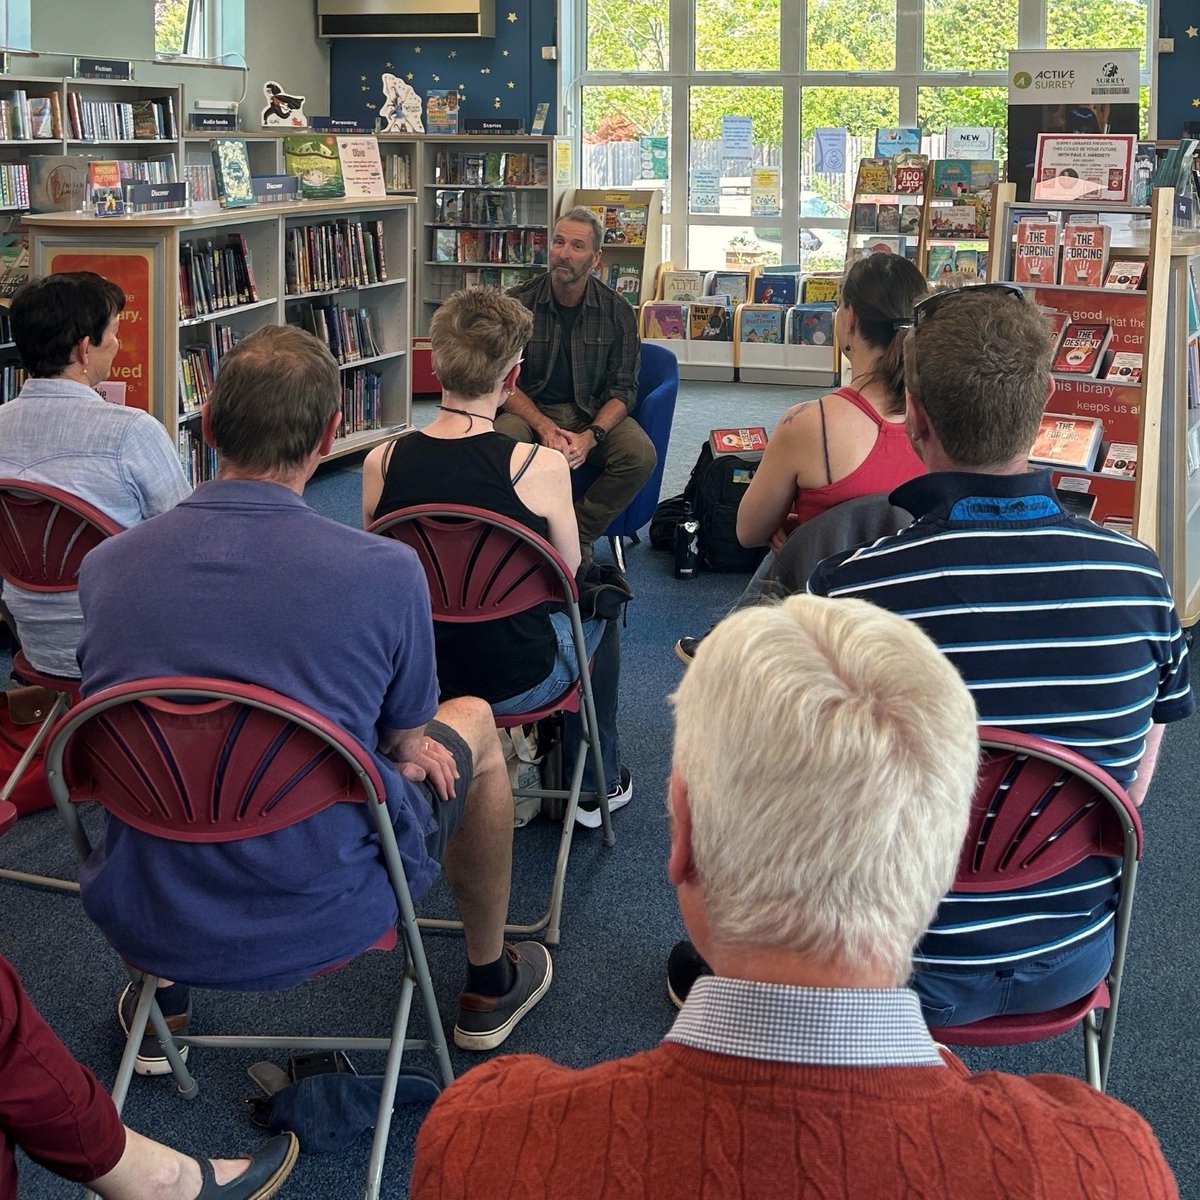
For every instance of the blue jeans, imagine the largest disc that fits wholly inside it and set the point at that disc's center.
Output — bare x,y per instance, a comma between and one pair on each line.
603,642
951,996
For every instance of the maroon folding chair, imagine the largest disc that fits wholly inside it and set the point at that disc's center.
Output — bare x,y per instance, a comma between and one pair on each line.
1040,808
209,760
45,533
482,566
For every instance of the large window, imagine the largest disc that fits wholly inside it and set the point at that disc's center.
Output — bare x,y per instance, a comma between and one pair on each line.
655,72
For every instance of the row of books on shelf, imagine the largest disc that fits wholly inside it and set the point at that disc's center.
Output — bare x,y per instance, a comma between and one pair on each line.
476,169
12,379
694,285
120,120
24,117
706,320
441,283
198,367
907,174
955,260
215,276
734,287
465,206
398,176
624,224
1077,443
332,255
348,332
525,246
63,182
876,217
199,460
1075,254
14,185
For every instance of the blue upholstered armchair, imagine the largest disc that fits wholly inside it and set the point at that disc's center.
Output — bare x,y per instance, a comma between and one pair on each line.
658,387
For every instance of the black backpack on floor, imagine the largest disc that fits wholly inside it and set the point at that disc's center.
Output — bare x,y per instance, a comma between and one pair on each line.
713,492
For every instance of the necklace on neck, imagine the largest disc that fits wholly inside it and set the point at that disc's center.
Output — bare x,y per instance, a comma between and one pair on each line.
462,412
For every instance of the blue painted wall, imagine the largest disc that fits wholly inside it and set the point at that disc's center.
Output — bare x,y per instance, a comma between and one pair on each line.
1179,72
504,76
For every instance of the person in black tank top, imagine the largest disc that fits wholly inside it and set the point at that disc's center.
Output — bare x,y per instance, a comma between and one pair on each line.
516,663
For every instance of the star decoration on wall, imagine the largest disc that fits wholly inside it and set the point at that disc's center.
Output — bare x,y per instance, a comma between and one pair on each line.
416,49
409,76
364,88
496,102
372,107
362,79
485,70
461,87
504,53
1192,31
453,54
388,65
512,18
511,84
1195,103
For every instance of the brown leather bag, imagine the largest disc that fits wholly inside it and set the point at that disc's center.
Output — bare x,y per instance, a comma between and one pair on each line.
22,711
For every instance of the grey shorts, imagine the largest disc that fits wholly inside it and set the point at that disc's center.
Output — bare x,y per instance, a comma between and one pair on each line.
447,813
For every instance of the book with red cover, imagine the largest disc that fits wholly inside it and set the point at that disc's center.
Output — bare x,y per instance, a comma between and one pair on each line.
1037,252
745,443
1081,349
1085,250
1067,441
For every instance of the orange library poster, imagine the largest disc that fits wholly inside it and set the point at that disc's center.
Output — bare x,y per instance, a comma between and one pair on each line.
132,268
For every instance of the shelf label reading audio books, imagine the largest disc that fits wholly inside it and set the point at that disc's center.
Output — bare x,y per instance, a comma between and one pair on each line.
706,190
1081,166
764,192
737,138
970,141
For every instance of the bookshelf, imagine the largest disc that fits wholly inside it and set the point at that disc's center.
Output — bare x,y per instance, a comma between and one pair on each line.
629,250
956,218
1179,547
888,209
189,299
495,197
1131,413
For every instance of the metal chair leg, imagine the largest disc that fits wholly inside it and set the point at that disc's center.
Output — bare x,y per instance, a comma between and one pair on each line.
617,545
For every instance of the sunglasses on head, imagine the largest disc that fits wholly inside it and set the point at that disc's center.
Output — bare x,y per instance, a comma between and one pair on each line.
924,309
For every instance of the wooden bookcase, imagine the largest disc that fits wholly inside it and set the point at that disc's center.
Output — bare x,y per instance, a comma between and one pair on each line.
143,254
861,234
646,257
1131,413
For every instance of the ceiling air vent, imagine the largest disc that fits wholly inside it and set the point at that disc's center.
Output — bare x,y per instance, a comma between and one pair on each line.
405,18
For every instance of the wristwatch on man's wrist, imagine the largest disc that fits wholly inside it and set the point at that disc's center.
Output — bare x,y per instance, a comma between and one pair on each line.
598,432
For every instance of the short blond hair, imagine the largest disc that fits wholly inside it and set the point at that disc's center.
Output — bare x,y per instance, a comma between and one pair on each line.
829,754
474,336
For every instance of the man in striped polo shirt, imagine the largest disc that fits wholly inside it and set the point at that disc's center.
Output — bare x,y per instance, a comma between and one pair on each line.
1060,628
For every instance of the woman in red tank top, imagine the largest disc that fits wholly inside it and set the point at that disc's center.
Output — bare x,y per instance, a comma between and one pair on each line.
851,442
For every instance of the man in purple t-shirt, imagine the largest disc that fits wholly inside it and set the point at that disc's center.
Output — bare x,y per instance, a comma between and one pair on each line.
244,581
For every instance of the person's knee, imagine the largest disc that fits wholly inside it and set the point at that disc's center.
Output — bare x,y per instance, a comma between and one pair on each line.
471,718
632,449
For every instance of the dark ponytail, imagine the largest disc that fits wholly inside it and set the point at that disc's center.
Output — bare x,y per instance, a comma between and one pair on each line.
882,290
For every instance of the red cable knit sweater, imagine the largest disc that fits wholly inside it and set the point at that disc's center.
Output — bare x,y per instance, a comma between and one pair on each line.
686,1123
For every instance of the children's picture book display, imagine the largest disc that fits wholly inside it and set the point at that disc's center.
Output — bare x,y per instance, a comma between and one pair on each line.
315,160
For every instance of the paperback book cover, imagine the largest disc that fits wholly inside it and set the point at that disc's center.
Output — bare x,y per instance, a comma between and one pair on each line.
776,289
104,187
1037,252
910,219
663,320
631,225
628,282
744,443
1120,458
822,288
951,177
41,117
941,262
810,325
887,218
954,221
874,177
708,322
1081,349
313,159
1085,249
445,245
1067,441
908,174
441,111
362,168
1126,367
734,284
866,216
966,262
1126,273
231,166
682,285
762,323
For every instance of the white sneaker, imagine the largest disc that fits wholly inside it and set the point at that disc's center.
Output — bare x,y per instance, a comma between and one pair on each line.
587,813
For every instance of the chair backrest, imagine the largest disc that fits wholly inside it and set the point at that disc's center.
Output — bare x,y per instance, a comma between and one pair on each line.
851,523
45,533
1038,809
205,760
481,566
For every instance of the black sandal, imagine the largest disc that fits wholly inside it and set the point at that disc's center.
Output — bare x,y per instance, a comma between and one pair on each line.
269,1166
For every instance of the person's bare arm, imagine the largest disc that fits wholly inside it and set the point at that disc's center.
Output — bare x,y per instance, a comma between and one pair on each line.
372,483
544,429
772,491
546,490
420,757
1137,789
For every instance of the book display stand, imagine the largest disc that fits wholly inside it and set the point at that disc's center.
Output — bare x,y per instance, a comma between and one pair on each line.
956,218
198,282
692,315
888,210
1102,428
632,251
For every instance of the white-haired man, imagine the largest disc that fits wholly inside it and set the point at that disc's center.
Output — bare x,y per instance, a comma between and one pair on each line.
802,1066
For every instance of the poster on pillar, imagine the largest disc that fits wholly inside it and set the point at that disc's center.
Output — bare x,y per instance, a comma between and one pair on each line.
132,268
1066,91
